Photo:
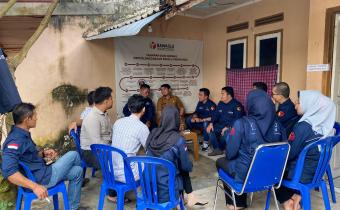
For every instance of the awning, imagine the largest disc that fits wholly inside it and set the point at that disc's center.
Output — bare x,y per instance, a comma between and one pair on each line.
127,30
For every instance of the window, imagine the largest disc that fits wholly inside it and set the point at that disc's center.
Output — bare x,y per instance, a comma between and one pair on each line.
268,49
237,54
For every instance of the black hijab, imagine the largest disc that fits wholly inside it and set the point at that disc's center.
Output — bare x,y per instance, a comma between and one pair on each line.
163,138
262,109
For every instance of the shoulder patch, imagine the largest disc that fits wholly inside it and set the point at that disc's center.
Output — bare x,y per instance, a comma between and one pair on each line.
281,114
13,146
232,132
238,108
212,108
291,136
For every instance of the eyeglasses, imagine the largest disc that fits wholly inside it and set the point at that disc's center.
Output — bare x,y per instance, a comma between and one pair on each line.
274,94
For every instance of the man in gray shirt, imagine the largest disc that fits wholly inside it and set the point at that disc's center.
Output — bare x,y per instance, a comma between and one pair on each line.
96,127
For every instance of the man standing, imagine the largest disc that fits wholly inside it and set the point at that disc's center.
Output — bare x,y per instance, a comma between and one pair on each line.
19,146
149,116
128,135
227,112
169,99
286,111
96,127
202,115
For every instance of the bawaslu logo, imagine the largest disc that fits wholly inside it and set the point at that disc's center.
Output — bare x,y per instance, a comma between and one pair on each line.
162,46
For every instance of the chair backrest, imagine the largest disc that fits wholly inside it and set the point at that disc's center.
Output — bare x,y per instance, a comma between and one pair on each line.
324,146
147,170
336,128
103,154
267,167
27,171
76,140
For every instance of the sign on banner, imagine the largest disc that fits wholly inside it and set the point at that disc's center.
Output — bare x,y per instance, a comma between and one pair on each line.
317,67
156,61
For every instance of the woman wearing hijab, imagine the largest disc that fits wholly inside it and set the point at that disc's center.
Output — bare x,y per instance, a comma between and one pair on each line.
260,126
318,117
166,142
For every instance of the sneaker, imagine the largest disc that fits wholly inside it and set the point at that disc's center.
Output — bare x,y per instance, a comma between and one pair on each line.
215,152
205,147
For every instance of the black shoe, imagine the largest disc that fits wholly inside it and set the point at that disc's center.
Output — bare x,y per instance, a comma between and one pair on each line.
84,208
204,148
85,182
215,152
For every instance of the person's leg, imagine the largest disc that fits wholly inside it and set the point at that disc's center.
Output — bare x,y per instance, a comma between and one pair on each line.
241,200
284,194
188,122
186,182
214,136
222,141
90,159
205,134
75,178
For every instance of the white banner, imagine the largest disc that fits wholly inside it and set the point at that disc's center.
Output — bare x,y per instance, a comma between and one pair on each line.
156,61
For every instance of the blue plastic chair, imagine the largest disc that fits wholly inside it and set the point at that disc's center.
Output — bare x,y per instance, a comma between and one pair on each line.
76,139
265,173
104,155
325,148
29,196
148,197
335,141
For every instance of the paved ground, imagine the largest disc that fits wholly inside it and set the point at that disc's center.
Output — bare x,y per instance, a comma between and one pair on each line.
203,180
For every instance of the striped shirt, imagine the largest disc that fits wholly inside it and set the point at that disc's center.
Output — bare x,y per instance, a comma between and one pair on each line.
128,134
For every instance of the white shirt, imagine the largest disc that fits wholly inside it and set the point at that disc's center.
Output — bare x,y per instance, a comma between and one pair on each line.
85,112
128,134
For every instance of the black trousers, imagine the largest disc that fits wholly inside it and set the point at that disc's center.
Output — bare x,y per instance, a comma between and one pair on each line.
90,159
186,182
241,200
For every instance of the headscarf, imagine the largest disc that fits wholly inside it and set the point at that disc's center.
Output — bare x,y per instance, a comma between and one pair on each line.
261,108
318,110
163,138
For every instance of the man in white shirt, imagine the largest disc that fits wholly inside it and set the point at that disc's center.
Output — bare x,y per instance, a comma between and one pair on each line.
128,135
96,126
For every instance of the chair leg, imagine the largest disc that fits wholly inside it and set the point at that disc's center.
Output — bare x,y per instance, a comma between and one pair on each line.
331,183
65,198
181,203
19,200
234,199
55,202
120,200
268,200
101,197
27,203
84,172
93,172
325,196
306,199
275,199
216,191
251,199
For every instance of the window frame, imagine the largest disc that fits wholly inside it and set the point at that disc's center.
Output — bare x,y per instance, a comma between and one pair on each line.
239,40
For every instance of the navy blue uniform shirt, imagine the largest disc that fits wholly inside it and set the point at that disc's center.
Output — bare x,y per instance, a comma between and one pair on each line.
19,146
205,110
149,114
226,114
287,115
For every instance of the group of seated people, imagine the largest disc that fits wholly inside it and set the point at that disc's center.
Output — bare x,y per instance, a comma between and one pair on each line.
228,127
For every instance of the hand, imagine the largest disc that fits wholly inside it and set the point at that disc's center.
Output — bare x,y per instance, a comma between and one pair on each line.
50,153
181,127
148,124
194,119
210,128
40,191
224,130
72,126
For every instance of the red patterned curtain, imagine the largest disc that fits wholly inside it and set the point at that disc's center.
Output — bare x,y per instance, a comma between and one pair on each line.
242,79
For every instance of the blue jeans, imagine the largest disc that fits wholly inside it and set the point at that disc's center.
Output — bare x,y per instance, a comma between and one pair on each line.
200,125
68,167
217,140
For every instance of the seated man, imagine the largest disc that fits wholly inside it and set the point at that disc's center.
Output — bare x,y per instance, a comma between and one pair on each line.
19,146
202,115
128,135
149,116
169,99
260,86
286,112
96,127
227,112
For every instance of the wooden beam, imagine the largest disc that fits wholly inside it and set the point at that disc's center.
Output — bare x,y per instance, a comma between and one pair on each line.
177,9
7,7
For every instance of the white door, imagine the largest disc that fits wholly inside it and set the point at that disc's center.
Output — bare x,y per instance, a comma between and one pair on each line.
335,93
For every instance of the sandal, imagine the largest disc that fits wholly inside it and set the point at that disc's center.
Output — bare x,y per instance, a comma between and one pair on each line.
114,199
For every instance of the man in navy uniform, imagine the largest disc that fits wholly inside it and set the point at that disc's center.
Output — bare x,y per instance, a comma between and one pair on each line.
19,146
286,112
149,116
202,115
227,112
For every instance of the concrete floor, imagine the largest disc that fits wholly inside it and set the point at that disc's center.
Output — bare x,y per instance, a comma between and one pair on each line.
203,180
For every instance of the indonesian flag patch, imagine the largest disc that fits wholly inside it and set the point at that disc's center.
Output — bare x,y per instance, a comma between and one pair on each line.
291,136
13,146
280,114
232,132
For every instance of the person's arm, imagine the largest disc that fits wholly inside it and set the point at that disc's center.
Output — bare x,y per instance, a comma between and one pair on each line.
185,162
233,140
296,139
144,136
18,179
238,112
159,110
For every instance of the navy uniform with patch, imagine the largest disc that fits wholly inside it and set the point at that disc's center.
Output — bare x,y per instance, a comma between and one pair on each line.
19,146
203,110
287,115
149,114
224,116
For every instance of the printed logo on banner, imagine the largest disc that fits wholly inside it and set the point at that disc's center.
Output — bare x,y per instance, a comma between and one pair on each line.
162,46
